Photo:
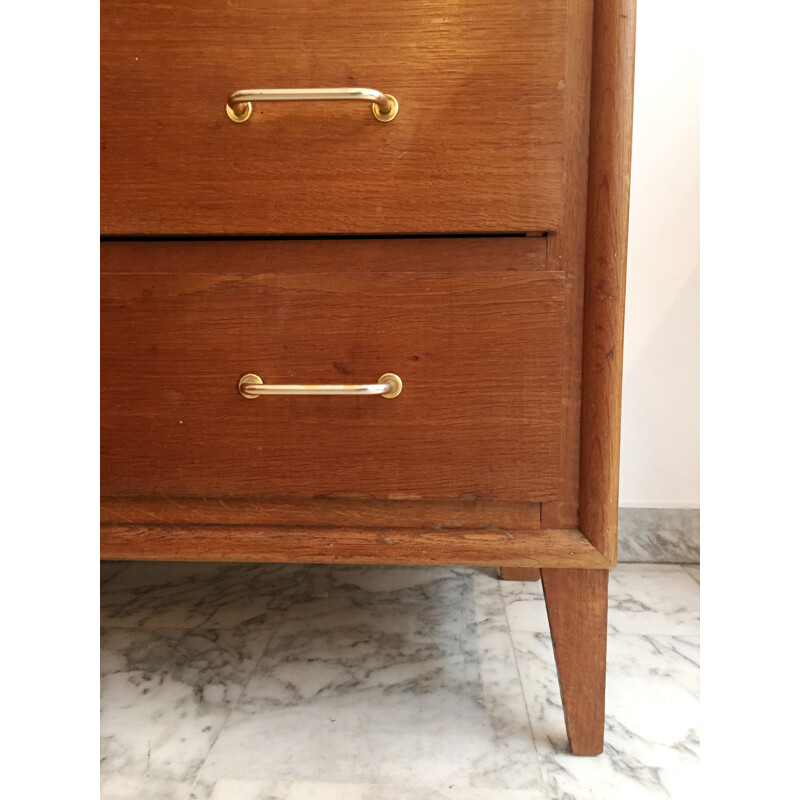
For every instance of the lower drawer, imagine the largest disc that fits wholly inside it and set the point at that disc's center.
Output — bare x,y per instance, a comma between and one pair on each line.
473,327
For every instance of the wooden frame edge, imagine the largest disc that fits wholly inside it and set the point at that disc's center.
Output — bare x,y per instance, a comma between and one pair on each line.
321,512
560,548
606,254
566,251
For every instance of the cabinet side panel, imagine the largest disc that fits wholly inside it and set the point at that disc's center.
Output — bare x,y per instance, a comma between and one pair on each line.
606,253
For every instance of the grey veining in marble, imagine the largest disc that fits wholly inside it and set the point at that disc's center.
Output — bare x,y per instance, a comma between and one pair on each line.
653,599
643,598
165,695
191,595
652,719
665,535
110,570
386,675
384,683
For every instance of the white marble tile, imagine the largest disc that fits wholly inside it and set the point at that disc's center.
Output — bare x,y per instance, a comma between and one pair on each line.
652,720
657,599
384,683
309,791
693,570
165,695
667,535
390,676
525,607
199,595
238,789
126,787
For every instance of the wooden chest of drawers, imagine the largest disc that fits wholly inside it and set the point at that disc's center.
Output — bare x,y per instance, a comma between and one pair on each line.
450,234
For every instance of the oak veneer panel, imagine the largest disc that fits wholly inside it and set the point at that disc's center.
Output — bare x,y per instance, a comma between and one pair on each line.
559,548
477,145
480,355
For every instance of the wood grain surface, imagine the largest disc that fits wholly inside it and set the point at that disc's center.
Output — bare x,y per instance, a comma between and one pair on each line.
479,352
329,512
520,573
560,548
606,256
577,609
477,145
565,252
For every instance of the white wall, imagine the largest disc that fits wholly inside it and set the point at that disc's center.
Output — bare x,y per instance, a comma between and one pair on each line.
660,461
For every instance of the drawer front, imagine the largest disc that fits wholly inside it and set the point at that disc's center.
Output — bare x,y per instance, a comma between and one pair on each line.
474,329
477,143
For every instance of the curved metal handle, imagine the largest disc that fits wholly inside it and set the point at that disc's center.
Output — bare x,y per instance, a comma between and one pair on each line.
388,386
240,107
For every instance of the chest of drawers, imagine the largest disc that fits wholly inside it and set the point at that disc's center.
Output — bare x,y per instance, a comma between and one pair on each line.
379,321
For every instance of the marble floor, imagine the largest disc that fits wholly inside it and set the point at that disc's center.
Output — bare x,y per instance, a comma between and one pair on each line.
292,682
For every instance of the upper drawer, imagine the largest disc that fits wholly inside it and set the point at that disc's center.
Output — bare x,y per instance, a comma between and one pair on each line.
477,144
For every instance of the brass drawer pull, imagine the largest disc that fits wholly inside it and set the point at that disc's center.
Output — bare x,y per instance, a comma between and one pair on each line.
239,106
388,386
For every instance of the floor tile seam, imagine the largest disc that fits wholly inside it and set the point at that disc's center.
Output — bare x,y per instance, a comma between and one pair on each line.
235,706
612,623
692,637
686,570
659,636
516,631
522,689
544,761
648,631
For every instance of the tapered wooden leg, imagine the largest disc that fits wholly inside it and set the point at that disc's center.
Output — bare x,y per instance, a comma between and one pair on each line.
577,608
520,573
